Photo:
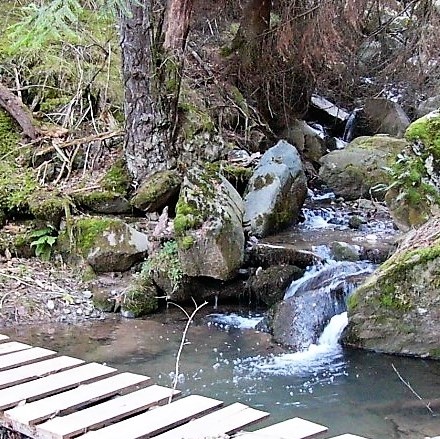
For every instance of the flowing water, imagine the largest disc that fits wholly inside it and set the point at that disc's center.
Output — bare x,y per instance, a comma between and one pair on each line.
348,391
225,357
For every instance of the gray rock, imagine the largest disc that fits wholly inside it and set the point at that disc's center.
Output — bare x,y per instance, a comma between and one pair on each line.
429,105
353,172
397,310
312,301
386,117
106,244
276,191
208,225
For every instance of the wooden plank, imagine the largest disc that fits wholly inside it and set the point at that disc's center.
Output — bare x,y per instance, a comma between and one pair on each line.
13,346
158,420
348,436
225,421
295,428
31,372
3,338
22,358
22,418
55,383
105,413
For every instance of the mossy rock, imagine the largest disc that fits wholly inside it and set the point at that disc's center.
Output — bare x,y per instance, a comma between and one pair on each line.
107,244
396,310
427,130
415,193
16,187
359,170
165,269
140,298
48,206
102,201
155,192
117,179
208,225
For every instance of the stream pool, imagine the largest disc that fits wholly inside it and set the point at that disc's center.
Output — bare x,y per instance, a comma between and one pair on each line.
346,390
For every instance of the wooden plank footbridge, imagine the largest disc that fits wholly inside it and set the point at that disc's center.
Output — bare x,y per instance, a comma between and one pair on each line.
48,396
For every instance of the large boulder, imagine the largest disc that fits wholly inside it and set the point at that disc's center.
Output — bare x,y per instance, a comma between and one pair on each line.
360,168
428,106
385,117
415,193
106,244
208,225
397,310
276,190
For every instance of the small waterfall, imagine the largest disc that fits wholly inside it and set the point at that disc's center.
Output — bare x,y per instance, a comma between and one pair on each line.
310,302
323,358
332,332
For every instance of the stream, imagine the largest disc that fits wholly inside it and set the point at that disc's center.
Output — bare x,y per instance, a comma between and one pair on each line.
225,357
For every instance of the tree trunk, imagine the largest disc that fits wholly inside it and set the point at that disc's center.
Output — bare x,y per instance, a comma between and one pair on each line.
254,25
152,65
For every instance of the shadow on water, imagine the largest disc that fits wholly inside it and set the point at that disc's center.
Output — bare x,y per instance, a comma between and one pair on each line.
349,391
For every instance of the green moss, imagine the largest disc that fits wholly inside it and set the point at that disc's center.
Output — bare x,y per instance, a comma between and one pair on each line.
48,206
9,136
88,274
117,178
16,186
427,130
140,299
96,197
186,242
85,231
156,190
352,301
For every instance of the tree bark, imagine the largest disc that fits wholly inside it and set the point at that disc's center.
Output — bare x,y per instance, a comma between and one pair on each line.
152,41
254,25
177,24
13,105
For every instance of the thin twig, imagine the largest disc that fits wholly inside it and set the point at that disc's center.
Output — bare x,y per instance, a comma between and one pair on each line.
407,384
182,342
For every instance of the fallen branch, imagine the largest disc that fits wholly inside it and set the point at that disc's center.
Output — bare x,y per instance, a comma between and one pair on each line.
15,107
407,384
81,141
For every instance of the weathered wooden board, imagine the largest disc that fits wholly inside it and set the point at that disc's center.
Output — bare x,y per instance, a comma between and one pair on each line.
55,383
347,436
22,358
105,413
157,420
22,418
224,421
295,428
31,372
12,346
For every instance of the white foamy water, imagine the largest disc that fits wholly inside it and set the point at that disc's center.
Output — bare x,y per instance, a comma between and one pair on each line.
227,321
324,357
330,276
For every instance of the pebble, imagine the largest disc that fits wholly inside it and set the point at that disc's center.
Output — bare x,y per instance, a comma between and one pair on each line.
50,304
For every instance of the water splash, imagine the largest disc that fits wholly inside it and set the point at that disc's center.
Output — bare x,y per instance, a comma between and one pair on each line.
228,321
328,277
324,359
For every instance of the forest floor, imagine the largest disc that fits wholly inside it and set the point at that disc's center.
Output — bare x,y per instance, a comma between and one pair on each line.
33,291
